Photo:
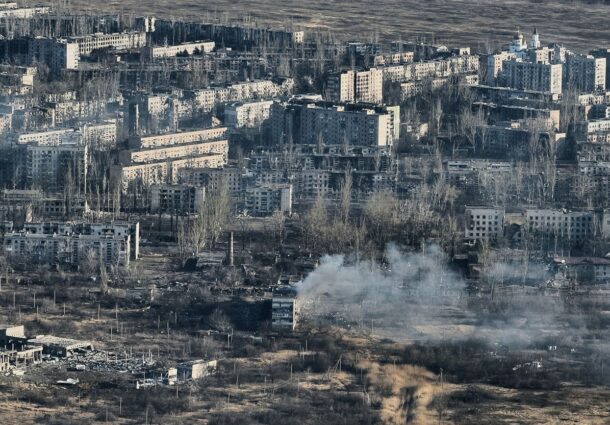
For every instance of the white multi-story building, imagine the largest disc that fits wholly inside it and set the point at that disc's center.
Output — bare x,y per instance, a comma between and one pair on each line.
601,125
179,138
12,10
484,224
207,99
100,135
120,229
119,41
50,138
73,250
495,65
356,86
450,67
162,153
97,134
251,114
162,171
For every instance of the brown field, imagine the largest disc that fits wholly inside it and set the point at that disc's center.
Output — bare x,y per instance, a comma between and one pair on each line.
578,24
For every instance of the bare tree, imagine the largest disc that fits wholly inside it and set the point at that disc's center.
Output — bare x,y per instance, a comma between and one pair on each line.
346,195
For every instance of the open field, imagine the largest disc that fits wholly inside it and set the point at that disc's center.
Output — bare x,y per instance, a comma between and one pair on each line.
578,24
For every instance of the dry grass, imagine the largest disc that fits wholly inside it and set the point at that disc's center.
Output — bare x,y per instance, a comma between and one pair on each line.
578,24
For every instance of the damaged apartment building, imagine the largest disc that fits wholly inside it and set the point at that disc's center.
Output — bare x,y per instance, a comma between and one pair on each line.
284,309
156,159
72,244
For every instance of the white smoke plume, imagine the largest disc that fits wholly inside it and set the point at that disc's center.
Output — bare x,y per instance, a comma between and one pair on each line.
416,296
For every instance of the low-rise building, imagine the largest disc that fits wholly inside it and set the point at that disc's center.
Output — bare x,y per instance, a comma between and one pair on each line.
584,269
195,369
58,346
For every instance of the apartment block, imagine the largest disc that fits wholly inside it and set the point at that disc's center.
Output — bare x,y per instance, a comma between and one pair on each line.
162,171
284,309
601,126
495,65
101,135
585,270
179,199
604,54
50,138
152,52
532,76
70,250
179,138
571,225
118,41
309,122
207,99
161,153
484,224
251,114
57,54
121,229
48,166
356,86
441,68
12,10
396,58
213,178
267,199
585,73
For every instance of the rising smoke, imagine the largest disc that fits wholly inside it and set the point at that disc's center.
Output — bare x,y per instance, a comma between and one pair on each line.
416,296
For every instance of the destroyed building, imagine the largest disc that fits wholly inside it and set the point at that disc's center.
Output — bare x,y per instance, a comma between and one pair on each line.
57,346
195,369
284,308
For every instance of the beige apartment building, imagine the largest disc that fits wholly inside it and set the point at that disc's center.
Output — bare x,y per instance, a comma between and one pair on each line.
356,86
180,138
